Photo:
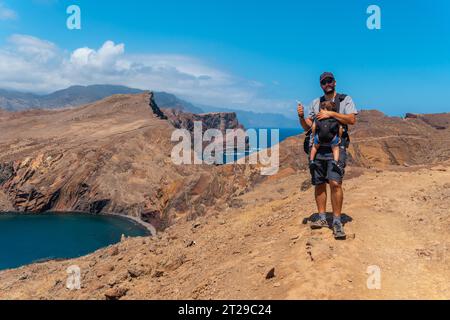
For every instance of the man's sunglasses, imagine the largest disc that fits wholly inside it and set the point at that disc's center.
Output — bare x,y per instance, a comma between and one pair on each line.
327,81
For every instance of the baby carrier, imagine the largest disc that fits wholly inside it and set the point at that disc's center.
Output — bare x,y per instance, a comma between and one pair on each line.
328,128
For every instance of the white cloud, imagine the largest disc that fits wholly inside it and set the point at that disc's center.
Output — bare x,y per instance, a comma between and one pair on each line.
29,47
31,64
6,13
106,58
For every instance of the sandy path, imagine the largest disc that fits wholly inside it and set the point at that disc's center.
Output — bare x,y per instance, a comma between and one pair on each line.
395,229
401,224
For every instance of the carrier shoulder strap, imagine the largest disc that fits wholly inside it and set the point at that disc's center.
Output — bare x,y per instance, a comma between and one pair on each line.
339,99
345,136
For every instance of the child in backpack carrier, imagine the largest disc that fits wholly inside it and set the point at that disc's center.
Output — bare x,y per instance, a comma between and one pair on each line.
326,132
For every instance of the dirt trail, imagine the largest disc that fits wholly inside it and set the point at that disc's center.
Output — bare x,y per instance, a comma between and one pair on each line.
391,137
400,223
399,226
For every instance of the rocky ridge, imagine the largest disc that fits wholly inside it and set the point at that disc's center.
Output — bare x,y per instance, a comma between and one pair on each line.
227,227
112,156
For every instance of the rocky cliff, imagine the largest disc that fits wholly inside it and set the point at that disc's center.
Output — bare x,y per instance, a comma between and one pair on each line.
112,156
249,238
213,120
381,141
263,248
226,122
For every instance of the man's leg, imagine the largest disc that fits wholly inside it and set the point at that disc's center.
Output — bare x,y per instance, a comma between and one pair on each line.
321,201
321,198
337,199
319,172
335,177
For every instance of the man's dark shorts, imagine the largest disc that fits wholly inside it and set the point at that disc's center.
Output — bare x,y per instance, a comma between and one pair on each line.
325,171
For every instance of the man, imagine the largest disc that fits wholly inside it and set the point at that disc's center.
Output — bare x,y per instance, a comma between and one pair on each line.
324,172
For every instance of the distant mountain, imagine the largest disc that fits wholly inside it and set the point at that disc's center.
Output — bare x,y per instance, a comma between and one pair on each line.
79,95
251,119
167,100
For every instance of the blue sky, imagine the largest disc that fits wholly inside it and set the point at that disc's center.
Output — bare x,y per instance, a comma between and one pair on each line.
253,55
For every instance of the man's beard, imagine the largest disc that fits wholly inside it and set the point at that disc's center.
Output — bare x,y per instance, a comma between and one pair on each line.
329,90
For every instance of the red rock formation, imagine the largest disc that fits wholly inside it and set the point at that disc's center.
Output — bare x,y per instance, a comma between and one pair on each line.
110,156
114,156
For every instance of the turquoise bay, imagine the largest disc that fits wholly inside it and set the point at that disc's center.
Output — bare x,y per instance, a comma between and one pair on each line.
27,238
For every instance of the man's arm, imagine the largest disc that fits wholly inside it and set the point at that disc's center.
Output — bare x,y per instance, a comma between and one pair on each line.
348,119
305,123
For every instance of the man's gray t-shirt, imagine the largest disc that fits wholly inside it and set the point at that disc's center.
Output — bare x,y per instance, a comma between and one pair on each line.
347,106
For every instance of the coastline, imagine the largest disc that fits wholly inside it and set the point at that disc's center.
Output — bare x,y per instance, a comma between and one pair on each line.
145,230
146,225
150,228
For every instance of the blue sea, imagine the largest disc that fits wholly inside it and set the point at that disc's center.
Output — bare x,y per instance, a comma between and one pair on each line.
284,133
26,239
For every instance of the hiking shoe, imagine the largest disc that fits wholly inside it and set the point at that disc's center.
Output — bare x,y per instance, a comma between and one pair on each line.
338,231
319,224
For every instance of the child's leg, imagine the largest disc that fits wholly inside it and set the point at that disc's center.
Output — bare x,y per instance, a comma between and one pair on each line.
336,154
335,148
314,149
